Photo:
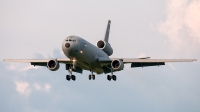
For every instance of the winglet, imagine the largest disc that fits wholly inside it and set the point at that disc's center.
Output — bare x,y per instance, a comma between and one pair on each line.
107,31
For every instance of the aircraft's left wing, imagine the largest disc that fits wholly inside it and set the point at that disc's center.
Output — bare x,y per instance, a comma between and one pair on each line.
153,62
143,62
39,62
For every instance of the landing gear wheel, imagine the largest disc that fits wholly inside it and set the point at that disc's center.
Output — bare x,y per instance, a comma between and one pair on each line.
68,77
114,77
89,77
73,77
109,77
93,77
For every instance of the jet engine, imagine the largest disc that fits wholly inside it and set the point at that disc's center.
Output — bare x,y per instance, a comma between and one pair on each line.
105,46
53,65
117,65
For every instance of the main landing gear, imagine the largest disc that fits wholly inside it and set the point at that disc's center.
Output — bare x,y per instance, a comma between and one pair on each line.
109,77
70,76
91,76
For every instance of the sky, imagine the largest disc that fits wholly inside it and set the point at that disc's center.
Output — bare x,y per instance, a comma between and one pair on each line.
31,29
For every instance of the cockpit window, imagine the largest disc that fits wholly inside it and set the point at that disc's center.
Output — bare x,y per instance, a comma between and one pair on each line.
71,40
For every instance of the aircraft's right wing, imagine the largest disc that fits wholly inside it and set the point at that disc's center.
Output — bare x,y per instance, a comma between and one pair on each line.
39,62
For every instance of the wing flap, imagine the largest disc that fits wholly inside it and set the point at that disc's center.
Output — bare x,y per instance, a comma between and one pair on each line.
146,64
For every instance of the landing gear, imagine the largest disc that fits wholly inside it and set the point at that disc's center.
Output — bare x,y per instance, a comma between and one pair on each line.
68,77
114,77
109,77
91,76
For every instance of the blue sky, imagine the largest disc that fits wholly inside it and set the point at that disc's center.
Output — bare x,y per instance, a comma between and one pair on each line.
155,28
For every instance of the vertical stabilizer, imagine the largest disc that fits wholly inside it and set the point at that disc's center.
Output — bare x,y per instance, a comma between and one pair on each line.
107,31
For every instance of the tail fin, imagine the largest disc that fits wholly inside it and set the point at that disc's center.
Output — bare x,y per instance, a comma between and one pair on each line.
107,31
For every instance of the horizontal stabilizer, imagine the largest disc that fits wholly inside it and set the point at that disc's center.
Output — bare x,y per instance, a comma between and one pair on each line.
144,58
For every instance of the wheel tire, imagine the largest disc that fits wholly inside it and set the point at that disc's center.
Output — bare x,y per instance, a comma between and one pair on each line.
93,77
89,77
67,77
73,77
108,77
114,77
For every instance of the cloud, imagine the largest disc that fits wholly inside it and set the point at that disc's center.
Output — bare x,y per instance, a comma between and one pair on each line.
182,25
29,67
23,87
11,67
47,87
37,86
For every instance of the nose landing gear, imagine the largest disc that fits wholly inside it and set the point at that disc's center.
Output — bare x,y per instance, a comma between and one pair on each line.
91,76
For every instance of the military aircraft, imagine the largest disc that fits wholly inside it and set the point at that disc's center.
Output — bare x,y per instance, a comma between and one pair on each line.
82,55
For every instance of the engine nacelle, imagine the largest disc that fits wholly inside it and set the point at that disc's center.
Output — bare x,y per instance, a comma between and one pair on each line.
105,46
117,65
53,65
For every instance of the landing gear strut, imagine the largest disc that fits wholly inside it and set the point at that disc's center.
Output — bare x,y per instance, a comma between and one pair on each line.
109,77
91,76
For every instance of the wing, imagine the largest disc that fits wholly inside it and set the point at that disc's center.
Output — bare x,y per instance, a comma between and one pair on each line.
153,62
143,62
39,62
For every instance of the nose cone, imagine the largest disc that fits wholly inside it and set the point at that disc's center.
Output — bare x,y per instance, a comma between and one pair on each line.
69,48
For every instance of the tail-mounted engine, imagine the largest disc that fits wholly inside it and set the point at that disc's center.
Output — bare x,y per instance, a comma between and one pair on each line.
117,65
53,65
105,46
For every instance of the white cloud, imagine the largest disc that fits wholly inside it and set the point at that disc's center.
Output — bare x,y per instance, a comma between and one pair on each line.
22,87
37,86
29,67
11,67
47,87
182,25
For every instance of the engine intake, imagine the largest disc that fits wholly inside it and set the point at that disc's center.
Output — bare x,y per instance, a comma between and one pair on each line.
105,46
117,65
53,65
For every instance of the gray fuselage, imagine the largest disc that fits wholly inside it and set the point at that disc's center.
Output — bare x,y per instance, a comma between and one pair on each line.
85,54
